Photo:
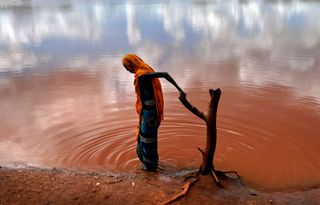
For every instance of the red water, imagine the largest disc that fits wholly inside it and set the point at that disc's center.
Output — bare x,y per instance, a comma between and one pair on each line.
74,119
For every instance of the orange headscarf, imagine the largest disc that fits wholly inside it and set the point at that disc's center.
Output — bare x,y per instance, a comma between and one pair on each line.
136,65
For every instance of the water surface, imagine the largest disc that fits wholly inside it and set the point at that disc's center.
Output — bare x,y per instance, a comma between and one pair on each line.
66,100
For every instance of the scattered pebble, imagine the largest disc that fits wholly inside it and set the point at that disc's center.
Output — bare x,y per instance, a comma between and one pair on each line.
96,177
113,182
252,192
97,184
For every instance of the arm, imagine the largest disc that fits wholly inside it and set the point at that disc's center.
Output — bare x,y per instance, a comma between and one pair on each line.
182,97
161,75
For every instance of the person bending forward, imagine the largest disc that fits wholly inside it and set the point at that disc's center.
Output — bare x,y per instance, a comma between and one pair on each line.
149,107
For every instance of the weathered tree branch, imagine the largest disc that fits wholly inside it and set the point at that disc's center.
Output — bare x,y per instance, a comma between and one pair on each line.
210,119
185,188
191,108
207,160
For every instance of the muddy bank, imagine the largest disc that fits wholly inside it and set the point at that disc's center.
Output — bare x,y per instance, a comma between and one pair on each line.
63,186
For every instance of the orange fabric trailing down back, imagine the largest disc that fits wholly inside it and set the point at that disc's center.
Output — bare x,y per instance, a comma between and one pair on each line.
137,66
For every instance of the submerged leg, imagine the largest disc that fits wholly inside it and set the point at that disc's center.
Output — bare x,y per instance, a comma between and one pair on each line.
147,153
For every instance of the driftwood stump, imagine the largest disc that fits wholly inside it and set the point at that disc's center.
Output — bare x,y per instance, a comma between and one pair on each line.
210,117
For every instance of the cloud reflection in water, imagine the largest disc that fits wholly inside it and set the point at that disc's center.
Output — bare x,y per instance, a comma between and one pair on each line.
266,39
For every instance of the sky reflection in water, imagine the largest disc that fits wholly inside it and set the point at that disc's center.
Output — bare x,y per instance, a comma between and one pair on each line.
272,41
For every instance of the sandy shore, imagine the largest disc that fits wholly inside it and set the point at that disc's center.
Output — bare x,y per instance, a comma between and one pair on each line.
64,186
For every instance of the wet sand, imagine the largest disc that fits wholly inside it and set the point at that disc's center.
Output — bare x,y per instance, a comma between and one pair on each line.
63,186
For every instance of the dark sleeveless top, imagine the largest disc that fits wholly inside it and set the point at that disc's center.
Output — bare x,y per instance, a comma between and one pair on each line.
146,94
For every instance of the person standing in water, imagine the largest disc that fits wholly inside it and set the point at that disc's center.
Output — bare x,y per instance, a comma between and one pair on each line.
149,106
